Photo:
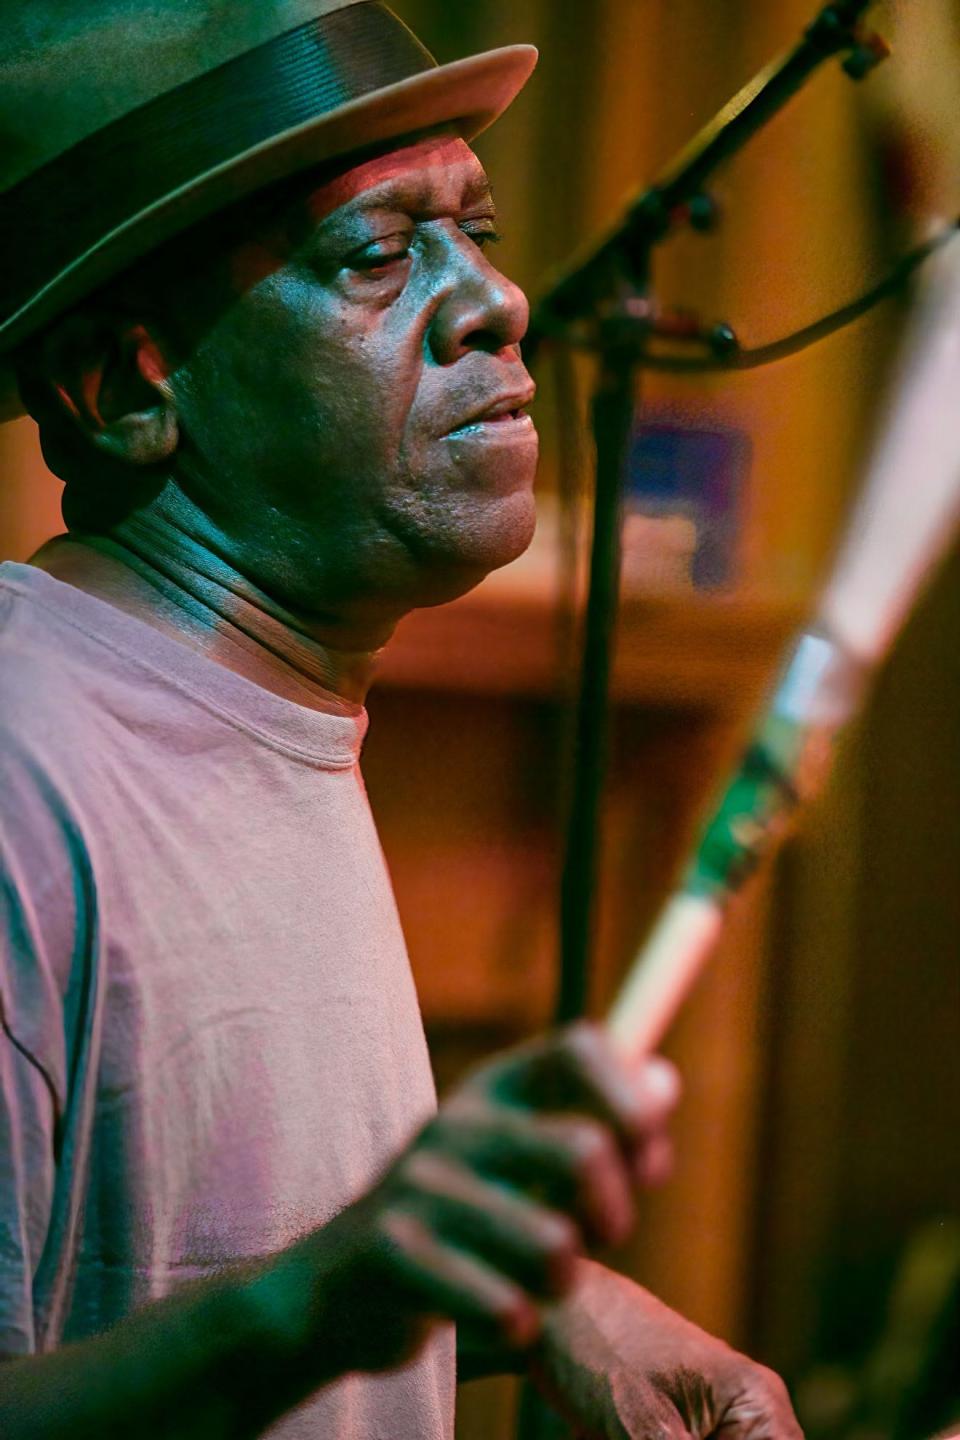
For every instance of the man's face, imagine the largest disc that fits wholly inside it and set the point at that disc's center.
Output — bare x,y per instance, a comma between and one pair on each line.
332,412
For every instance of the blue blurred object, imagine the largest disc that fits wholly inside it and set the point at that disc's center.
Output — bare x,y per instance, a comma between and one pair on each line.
701,474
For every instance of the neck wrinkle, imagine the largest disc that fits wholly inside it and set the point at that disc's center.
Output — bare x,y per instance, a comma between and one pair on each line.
216,611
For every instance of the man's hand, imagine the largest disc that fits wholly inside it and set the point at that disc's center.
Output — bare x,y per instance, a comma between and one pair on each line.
481,1218
622,1366
534,1158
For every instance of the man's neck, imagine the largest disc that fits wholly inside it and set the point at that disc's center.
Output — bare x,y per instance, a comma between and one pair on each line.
180,588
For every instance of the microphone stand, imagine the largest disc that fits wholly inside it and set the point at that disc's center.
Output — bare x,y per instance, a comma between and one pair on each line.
602,303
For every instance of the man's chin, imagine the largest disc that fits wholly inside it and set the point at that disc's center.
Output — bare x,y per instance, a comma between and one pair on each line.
485,544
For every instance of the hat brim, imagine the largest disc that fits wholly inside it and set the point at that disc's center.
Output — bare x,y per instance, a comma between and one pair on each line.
467,94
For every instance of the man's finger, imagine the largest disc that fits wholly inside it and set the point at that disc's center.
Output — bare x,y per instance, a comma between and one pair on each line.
657,1087
578,1070
442,1280
520,1238
571,1162
654,1164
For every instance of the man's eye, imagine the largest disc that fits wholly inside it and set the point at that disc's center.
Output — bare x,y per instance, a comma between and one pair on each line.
483,237
382,256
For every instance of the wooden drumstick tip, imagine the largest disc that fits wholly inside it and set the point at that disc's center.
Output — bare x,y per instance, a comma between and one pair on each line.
664,974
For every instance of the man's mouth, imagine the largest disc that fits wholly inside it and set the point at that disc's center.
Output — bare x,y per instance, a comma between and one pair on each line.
504,410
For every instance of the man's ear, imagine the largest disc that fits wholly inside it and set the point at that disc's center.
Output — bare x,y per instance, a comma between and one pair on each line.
111,377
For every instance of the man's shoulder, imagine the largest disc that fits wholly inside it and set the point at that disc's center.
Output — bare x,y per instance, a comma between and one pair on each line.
60,688
44,658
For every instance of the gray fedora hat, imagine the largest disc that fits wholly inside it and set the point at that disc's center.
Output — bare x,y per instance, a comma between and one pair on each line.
123,123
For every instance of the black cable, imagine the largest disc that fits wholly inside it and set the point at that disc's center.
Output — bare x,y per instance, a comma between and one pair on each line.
810,334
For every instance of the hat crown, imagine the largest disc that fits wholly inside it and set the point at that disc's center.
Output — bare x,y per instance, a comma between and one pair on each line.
68,70
121,126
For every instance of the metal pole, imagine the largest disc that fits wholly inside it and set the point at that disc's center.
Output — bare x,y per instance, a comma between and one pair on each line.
613,412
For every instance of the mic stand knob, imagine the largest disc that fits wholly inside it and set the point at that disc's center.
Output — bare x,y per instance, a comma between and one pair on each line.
870,51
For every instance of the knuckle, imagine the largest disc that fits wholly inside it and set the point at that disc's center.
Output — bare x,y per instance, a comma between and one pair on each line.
656,1093
423,1170
559,1236
666,1079
418,1167
396,1230
582,1040
591,1146
466,1106
769,1377
431,1172
517,1319
773,1385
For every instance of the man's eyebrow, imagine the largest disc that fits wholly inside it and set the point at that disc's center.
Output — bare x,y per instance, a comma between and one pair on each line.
479,190
422,198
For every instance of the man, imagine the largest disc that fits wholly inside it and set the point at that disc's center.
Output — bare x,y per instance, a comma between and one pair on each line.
226,1201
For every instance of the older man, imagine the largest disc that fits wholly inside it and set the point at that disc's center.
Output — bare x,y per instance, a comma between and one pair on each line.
282,382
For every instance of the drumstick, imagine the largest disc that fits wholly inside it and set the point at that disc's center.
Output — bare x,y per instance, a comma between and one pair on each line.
902,526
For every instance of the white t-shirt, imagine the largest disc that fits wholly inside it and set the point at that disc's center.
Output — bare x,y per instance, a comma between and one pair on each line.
211,1040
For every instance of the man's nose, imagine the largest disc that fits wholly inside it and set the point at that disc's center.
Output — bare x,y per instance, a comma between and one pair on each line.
482,310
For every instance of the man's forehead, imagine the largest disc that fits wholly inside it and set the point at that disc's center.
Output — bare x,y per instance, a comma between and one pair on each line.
437,172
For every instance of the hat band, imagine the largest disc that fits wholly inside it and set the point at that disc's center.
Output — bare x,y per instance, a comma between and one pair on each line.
71,204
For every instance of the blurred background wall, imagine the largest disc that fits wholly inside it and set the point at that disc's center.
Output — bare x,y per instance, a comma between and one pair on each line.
818,1136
